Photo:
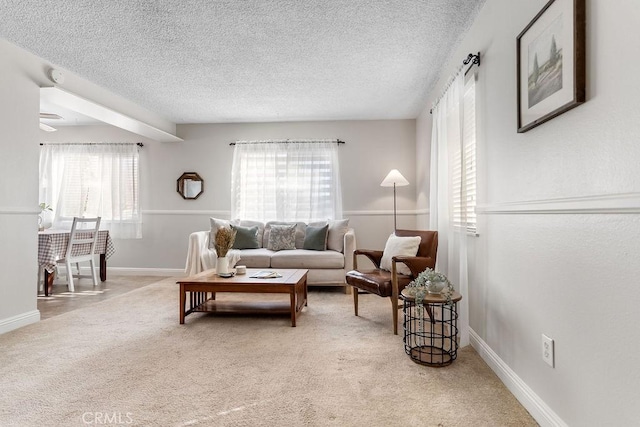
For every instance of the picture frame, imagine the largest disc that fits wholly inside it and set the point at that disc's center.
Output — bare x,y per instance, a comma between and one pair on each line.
551,63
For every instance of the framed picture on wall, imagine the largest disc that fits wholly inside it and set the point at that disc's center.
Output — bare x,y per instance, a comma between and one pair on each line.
551,63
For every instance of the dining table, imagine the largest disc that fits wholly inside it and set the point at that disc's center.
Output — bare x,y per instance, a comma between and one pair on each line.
52,246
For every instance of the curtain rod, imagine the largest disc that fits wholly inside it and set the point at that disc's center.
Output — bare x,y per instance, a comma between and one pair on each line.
139,144
471,58
286,141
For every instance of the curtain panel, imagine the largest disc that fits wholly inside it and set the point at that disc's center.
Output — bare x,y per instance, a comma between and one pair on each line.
89,180
286,181
447,183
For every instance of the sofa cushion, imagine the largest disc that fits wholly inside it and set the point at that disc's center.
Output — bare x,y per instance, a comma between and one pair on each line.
282,237
300,232
337,229
246,237
315,238
216,224
260,225
326,276
256,258
304,258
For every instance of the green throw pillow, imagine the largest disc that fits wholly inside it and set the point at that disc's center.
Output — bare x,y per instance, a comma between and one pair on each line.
315,238
246,237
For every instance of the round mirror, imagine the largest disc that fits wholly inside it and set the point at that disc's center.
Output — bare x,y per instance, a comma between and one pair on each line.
190,185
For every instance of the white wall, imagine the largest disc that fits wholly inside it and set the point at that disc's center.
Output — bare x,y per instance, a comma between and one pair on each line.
22,75
19,103
559,226
372,149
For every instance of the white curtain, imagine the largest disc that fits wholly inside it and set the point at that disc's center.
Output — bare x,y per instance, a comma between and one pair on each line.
88,180
446,143
286,181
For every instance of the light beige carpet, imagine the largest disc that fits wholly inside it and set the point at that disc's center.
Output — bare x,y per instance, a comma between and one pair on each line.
127,361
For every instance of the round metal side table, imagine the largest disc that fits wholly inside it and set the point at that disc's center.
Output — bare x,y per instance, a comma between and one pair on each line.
431,329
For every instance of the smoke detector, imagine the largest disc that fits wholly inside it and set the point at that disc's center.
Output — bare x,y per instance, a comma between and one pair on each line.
56,76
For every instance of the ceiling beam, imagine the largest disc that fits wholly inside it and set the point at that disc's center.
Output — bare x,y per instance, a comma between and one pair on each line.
96,111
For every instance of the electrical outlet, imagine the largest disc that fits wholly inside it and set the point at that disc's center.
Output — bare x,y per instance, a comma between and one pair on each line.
547,350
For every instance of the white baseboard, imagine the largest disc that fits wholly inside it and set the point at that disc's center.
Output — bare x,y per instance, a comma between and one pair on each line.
539,410
125,271
18,321
128,271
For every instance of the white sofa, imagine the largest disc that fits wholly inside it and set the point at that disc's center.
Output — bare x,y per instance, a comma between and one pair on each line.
326,268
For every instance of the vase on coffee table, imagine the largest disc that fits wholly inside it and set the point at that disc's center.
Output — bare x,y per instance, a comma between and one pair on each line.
222,265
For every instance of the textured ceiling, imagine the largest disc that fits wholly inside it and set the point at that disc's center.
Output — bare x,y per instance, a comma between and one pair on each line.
211,61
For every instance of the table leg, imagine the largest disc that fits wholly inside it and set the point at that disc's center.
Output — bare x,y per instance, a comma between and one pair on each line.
293,307
103,267
183,298
48,282
306,294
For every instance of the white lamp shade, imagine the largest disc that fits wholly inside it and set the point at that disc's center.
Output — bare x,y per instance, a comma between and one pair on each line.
394,177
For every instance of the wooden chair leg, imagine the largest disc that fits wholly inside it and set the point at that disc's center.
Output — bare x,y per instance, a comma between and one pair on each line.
355,300
394,295
394,305
48,282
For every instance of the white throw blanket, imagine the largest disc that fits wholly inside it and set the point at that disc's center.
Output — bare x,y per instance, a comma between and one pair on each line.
201,258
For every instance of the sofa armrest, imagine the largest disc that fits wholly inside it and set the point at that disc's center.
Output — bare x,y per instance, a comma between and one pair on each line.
198,244
349,248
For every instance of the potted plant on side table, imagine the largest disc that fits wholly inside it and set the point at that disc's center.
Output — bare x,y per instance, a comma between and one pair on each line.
430,282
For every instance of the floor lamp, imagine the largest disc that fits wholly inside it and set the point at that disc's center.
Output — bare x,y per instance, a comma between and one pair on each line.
394,179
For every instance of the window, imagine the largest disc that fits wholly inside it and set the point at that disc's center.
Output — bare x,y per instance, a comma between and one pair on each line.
464,165
286,181
89,180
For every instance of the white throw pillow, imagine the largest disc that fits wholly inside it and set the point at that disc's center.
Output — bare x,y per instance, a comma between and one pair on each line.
399,246
335,238
217,224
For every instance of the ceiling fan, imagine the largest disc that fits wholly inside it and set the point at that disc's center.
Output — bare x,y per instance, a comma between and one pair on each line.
51,116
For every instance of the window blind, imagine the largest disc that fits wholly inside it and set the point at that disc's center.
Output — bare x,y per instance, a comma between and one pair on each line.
286,181
464,166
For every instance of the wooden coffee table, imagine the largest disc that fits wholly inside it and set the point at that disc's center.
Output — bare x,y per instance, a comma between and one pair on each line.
202,289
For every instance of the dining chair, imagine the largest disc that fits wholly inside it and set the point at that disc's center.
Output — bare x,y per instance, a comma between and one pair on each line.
81,248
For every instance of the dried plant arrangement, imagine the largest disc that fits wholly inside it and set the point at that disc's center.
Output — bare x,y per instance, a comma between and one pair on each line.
224,241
